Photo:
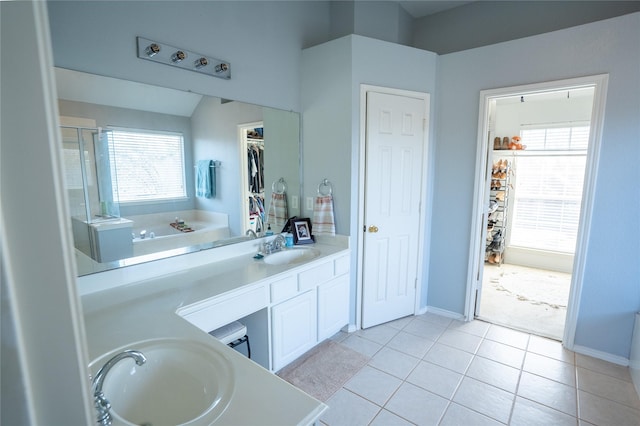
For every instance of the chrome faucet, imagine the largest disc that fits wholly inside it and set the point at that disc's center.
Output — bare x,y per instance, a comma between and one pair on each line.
279,242
100,402
251,233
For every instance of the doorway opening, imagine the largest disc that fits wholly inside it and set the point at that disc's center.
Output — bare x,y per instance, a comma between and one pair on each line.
537,161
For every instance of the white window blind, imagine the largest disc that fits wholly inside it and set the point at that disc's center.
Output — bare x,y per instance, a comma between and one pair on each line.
548,189
146,166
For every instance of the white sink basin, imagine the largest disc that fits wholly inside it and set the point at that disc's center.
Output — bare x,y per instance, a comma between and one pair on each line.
182,382
291,255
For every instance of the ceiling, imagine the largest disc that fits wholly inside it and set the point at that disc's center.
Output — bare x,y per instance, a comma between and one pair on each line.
420,8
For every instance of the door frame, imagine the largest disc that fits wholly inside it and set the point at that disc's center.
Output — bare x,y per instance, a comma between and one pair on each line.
423,244
478,231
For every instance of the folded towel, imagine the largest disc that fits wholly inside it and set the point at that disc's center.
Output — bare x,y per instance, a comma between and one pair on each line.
205,179
323,220
278,212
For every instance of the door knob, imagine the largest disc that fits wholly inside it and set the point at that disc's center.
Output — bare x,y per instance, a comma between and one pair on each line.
373,228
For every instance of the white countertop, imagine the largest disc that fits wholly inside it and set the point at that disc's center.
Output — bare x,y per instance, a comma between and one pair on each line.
146,309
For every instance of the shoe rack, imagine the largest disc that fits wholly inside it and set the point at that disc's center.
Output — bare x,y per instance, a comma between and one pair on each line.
500,192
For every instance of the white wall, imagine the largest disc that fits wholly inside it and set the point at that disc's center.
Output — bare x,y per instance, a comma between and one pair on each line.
611,293
509,117
48,350
263,41
331,115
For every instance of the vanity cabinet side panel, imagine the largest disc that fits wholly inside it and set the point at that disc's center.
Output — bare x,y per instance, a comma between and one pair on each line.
293,328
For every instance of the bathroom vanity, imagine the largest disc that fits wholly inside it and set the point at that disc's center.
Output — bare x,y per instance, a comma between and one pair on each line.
289,304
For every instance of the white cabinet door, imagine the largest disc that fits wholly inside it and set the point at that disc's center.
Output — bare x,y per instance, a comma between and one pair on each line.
333,306
294,326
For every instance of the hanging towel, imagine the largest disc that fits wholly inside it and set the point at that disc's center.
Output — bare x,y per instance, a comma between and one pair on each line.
205,179
278,212
323,221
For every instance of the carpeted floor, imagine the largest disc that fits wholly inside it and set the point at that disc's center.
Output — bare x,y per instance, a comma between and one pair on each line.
324,369
528,299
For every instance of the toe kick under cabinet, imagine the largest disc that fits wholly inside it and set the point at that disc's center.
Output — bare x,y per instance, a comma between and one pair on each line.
308,307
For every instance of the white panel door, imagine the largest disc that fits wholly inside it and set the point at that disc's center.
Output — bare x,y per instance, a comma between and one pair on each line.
394,152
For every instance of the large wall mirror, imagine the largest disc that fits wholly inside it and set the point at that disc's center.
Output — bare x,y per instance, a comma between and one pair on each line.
153,172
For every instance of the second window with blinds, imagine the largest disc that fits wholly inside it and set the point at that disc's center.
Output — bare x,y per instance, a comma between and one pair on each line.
548,187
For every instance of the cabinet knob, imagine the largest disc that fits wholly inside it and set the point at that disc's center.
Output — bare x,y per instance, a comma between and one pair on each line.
373,229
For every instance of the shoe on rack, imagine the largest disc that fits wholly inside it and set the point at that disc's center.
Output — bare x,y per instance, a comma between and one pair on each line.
500,195
497,143
493,206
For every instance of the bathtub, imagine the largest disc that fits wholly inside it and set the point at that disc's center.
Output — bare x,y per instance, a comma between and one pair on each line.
207,226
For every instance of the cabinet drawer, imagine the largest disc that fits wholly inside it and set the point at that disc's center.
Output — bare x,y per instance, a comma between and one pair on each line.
314,276
284,289
219,312
341,265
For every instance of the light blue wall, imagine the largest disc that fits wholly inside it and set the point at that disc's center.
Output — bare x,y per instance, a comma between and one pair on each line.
215,137
611,292
331,77
263,41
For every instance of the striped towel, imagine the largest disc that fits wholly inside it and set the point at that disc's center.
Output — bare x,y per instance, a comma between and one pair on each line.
323,221
278,212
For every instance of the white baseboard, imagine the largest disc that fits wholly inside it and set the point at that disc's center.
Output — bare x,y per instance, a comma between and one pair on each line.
422,310
605,356
350,328
444,313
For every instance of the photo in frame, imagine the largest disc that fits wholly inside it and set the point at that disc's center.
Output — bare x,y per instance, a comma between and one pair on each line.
301,230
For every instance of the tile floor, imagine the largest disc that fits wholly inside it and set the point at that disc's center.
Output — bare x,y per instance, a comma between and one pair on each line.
431,370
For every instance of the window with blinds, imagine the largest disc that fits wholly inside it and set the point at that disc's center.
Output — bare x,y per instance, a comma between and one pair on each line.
146,165
548,188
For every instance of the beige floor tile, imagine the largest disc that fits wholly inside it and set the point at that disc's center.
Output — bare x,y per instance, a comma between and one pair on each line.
410,344
425,329
530,413
380,334
485,399
550,348
475,327
436,379
608,387
550,368
499,352
457,415
448,357
493,373
547,392
387,418
364,346
396,363
373,385
346,408
604,367
460,340
602,411
435,319
508,336
417,405
401,323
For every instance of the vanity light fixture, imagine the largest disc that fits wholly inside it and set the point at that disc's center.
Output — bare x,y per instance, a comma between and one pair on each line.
221,68
179,56
170,55
152,49
202,62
